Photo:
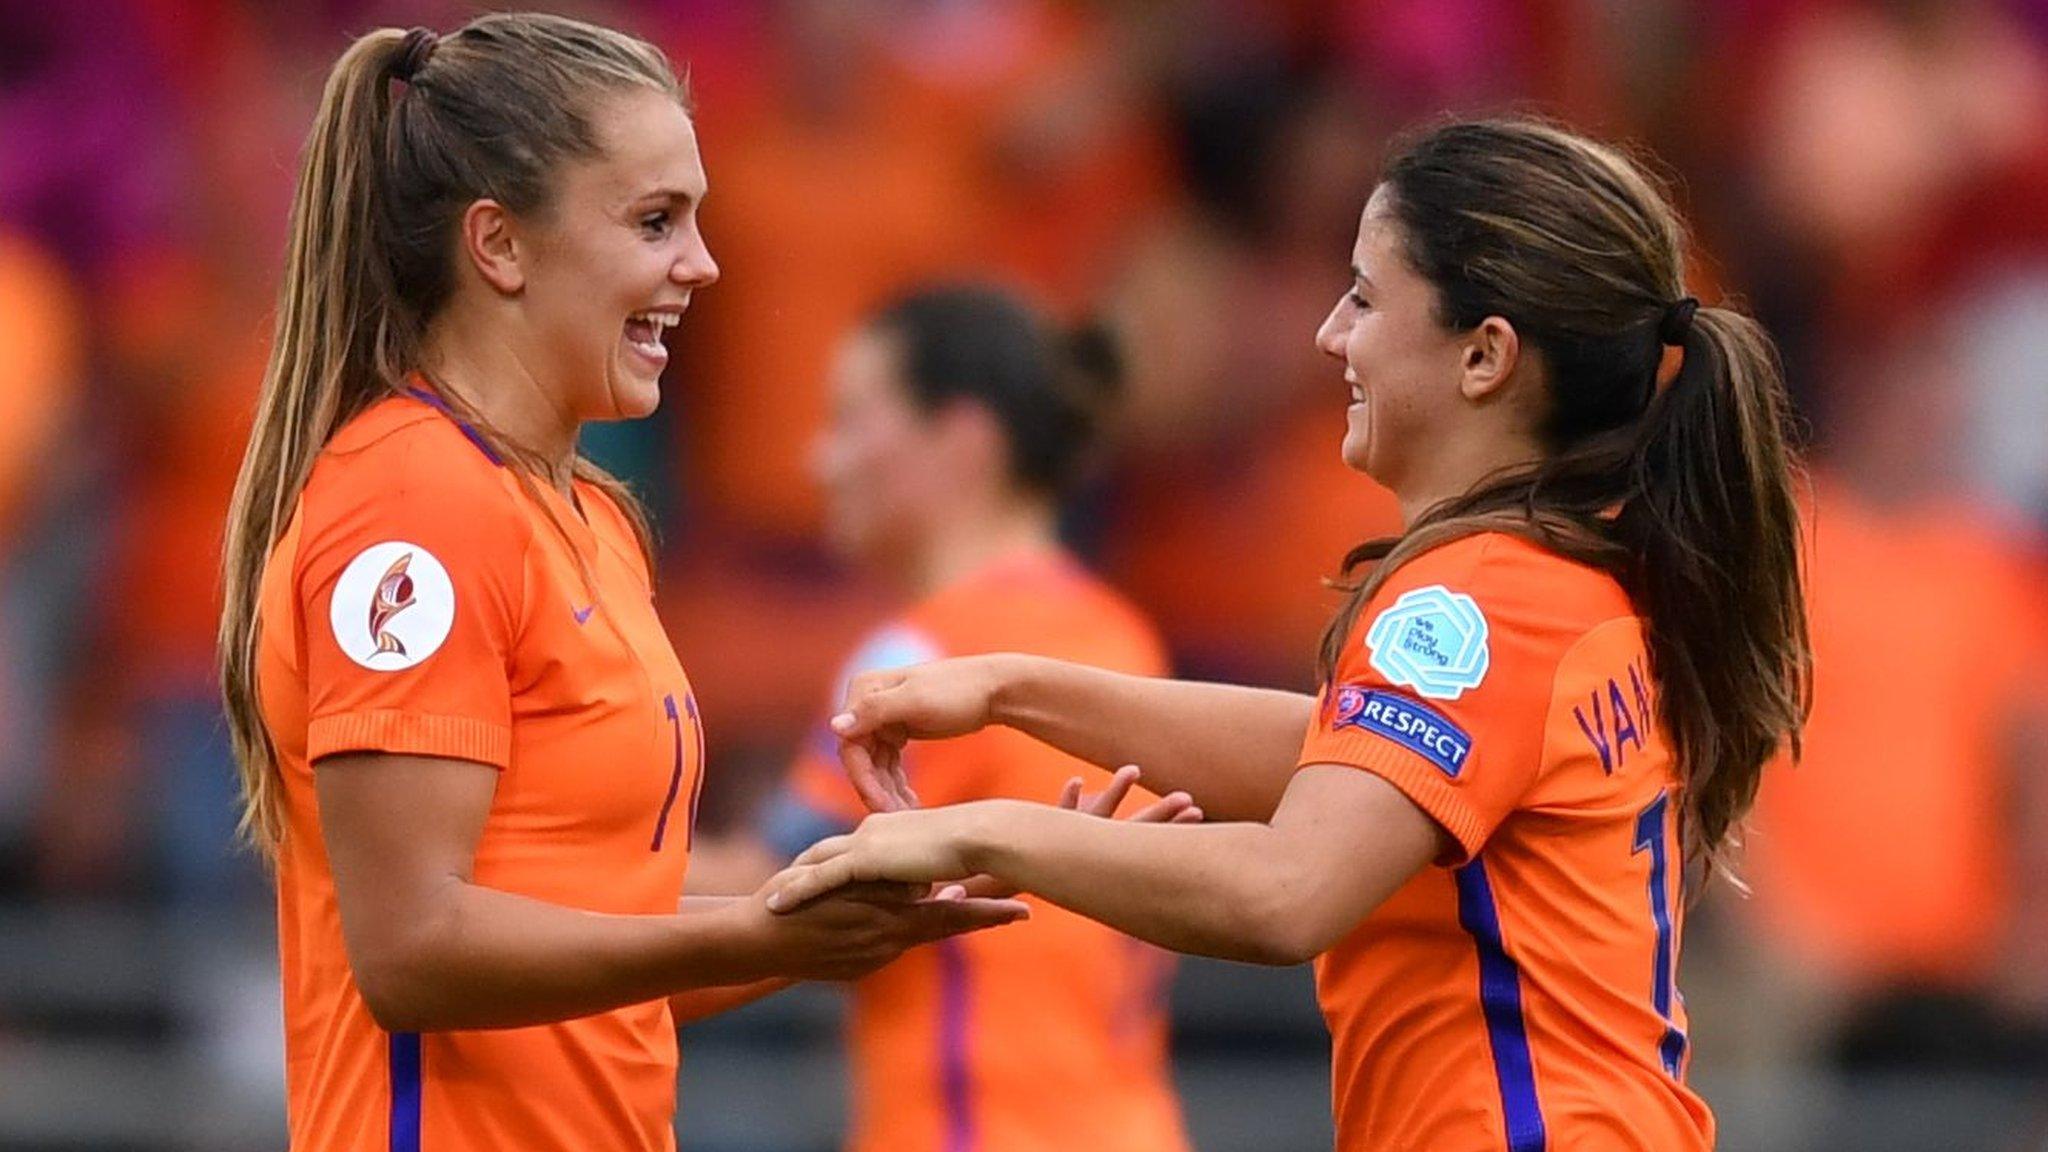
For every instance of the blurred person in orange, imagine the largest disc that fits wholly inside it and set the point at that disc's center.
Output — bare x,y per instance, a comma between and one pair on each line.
1551,697
959,418
874,147
465,741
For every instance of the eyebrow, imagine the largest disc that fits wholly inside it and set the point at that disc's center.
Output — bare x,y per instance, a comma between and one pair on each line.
1359,275
681,194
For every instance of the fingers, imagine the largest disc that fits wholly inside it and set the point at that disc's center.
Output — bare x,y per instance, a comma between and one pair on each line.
822,851
1070,794
863,712
987,887
1172,808
895,774
1105,803
969,915
799,886
885,892
874,766
867,778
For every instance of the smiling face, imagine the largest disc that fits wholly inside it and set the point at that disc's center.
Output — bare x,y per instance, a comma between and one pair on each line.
880,459
616,256
1402,366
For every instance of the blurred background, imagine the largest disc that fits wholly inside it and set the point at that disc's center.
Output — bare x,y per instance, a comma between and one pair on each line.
1871,177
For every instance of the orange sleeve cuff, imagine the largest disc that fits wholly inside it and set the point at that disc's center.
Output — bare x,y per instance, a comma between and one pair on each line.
410,734
1414,776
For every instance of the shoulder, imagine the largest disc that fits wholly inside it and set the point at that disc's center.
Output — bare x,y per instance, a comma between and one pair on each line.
1512,575
1050,605
1442,622
1109,628
900,643
401,457
1510,567
403,478
402,441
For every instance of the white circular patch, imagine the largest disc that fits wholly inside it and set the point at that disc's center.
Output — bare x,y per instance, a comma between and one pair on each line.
393,606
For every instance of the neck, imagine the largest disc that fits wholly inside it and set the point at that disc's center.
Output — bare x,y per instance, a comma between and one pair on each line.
488,375
1457,469
976,541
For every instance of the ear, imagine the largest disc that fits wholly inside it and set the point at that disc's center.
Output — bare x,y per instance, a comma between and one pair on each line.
1489,355
970,435
492,246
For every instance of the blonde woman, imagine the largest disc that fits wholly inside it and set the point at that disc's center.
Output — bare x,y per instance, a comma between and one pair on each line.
464,738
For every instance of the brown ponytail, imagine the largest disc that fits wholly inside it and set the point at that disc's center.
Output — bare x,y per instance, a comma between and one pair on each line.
385,177
1684,493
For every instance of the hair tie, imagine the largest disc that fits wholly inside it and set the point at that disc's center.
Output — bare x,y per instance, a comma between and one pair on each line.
413,54
1677,321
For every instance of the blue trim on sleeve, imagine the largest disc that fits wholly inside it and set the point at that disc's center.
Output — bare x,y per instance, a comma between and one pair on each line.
1500,995
405,1092
789,826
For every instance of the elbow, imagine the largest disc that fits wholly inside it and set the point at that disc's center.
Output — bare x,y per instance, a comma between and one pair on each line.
1279,927
391,995
1279,948
398,985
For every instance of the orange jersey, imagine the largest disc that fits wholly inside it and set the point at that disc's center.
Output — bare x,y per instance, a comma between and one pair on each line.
422,603
1521,995
1044,1036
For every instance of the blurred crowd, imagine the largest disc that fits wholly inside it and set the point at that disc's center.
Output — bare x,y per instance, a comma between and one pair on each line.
1872,177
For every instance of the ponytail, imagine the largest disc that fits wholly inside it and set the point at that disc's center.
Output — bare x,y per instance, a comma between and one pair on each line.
333,353
1052,391
1712,522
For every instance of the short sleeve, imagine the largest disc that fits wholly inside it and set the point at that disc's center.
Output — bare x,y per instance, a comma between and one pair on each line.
410,582
817,800
1443,689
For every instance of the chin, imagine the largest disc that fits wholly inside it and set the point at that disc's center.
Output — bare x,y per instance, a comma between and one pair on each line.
1357,451
634,399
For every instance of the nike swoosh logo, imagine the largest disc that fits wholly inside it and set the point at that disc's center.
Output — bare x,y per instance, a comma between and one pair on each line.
583,614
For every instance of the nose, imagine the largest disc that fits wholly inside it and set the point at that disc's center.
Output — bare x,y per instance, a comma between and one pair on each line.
696,268
1330,337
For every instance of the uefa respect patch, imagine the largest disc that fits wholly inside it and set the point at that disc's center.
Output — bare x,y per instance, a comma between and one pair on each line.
1410,723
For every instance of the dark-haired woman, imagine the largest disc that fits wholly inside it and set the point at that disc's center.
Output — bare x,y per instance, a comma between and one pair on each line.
1553,694
959,419
464,739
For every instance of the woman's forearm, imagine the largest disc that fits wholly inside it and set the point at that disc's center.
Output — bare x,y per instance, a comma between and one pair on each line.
483,958
1232,748
698,1003
1225,890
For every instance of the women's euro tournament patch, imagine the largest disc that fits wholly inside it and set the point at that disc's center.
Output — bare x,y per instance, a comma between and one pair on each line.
1410,723
1432,640
393,606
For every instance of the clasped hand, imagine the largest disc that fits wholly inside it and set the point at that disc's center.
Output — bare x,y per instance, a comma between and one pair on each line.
939,845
